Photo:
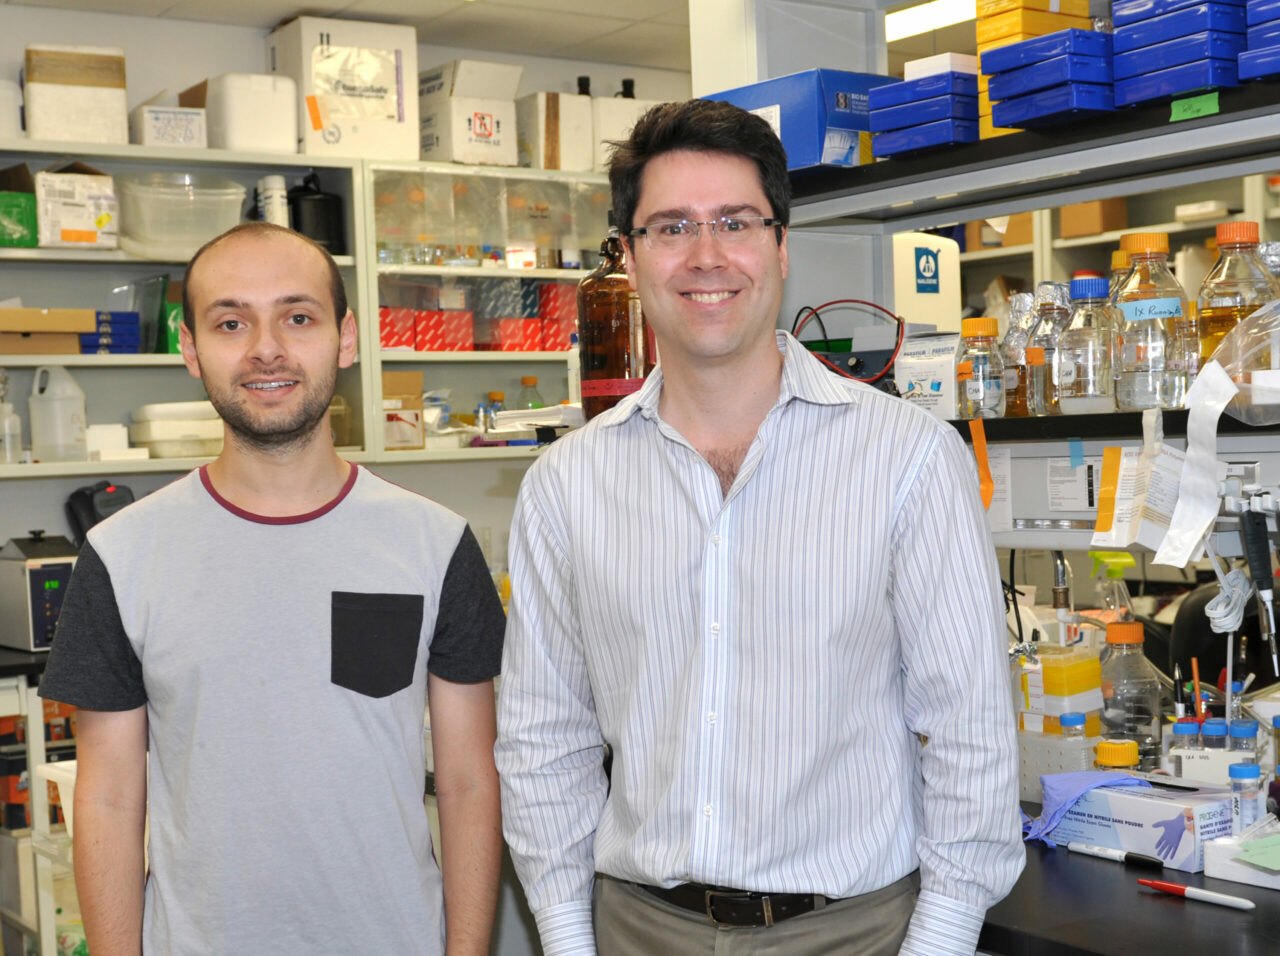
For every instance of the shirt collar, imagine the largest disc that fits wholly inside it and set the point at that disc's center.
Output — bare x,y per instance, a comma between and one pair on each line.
803,377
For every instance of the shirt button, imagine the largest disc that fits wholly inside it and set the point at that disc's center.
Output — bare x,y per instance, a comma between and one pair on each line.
711,718
706,811
715,539
715,628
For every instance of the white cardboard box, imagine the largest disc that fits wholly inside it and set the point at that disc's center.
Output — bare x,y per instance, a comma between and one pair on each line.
250,112
925,372
75,93
76,208
468,112
555,131
355,85
940,63
152,125
612,118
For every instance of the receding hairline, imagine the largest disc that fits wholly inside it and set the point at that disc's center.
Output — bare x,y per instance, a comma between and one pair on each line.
263,235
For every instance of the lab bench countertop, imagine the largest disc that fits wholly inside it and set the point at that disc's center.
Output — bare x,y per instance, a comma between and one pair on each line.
1066,904
14,662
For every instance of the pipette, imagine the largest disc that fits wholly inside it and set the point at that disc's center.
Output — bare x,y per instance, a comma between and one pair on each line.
1257,551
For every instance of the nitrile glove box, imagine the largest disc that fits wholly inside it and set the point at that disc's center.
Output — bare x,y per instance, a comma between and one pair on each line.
1205,16
1082,42
1068,68
1161,56
1200,75
924,112
1124,12
821,116
1261,11
1172,824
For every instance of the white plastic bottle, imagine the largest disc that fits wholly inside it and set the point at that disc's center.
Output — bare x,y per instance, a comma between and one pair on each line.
57,416
979,371
273,201
1246,785
10,425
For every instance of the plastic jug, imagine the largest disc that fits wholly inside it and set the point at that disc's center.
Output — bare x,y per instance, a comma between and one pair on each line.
57,416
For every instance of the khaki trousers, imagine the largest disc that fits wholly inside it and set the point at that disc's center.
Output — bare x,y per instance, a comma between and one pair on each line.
632,922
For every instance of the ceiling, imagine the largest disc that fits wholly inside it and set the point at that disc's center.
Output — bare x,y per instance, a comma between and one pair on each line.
653,33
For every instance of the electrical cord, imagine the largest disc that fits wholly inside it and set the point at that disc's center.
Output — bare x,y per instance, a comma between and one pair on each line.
1017,614
811,312
1226,610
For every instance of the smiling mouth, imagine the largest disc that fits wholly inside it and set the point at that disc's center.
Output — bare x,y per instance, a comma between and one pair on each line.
709,298
269,386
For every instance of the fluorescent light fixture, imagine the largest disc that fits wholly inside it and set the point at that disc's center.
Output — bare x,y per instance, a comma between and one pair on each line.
927,16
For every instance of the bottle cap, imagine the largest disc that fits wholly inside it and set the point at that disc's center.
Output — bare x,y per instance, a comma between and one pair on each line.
1237,686
1119,259
1214,727
497,396
1237,232
1090,288
1117,753
1140,243
1125,632
978,326
1244,771
1072,719
1184,728
529,380
1244,728
1275,722
1035,355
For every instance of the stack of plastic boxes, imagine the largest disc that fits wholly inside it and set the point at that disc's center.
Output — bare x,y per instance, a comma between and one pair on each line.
1168,47
1262,53
918,114
1039,81
1005,22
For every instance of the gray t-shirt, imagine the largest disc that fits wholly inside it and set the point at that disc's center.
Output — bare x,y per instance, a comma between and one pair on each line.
283,664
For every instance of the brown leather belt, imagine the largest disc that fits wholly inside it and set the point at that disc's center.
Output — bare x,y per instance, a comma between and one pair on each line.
726,907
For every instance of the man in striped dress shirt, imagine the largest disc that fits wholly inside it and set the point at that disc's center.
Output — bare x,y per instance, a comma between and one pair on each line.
771,593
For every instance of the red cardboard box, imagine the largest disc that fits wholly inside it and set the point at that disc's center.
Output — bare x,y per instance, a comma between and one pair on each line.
556,332
557,300
517,335
445,330
395,328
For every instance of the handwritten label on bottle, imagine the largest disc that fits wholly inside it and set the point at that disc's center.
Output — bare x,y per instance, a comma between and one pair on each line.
1141,309
605,387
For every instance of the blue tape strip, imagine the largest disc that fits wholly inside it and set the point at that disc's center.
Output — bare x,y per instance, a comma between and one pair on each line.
1077,453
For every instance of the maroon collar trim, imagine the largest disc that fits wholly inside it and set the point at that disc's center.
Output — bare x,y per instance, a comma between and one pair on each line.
286,519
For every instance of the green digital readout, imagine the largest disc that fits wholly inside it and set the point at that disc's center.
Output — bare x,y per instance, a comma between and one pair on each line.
52,585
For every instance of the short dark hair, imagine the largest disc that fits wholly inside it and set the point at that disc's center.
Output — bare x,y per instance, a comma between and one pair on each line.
337,289
703,126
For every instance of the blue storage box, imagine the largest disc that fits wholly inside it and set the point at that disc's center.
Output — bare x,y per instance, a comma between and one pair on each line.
1261,11
1046,107
1084,42
1262,62
1264,34
924,88
1160,56
821,116
1124,12
943,132
1205,16
924,111
1069,68
1200,75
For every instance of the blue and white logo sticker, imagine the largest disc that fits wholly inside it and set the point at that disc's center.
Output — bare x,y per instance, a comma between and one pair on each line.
926,270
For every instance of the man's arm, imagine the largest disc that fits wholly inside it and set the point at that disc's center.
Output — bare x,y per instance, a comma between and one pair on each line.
463,728
950,619
110,813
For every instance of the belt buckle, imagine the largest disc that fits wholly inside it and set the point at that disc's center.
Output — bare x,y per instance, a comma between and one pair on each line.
765,906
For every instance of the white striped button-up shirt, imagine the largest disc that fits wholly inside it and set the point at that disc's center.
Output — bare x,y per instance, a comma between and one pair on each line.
763,663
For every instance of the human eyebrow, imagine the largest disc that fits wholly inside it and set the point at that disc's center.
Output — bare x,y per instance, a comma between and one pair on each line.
737,209
299,298
667,215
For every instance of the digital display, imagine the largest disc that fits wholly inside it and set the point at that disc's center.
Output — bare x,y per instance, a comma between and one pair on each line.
52,585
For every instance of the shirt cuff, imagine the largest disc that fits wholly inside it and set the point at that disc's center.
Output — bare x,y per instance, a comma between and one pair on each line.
565,930
941,926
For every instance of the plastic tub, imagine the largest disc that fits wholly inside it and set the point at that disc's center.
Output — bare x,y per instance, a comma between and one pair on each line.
169,215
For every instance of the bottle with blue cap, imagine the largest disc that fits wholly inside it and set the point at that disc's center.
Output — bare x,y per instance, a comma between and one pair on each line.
1086,347
1246,788
1186,738
1213,732
1242,740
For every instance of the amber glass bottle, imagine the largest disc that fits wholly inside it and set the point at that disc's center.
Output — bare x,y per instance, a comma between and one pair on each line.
613,342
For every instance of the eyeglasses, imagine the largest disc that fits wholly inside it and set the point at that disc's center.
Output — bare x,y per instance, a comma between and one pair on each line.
679,233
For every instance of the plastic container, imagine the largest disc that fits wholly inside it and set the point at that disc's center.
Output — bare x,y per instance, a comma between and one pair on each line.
943,132
949,106
10,425
1068,68
923,88
273,200
1199,46
1053,106
167,215
1242,738
1186,736
1213,734
1084,42
1083,370
979,371
1131,692
1246,785
1235,287
1221,17
1014,352
1052,315
1117,754
1197,75
57,414
1072,725
529,396
1154,337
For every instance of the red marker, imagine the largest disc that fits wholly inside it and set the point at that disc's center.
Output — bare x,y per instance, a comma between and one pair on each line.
1195,893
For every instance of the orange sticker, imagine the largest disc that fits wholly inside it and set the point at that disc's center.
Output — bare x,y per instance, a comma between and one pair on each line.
1107,485
313,110
986,487
78,235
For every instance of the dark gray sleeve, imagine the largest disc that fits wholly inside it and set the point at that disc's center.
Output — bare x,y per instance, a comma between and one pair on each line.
466,647
91,662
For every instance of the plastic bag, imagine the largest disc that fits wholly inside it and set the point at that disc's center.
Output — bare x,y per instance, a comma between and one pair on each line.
1250,353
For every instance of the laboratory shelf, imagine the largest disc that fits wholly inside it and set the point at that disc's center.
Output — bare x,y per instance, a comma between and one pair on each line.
173,155
15,920
1112,238
481,357
65,469
479,272
494,172
110,256
92,361
1114,426
997,252
483,453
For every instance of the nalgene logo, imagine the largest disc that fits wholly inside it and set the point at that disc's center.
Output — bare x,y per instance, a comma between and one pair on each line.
926,270
482,125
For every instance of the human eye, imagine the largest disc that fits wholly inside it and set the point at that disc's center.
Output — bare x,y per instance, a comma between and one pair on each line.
735,224
671,230
300,319
230,325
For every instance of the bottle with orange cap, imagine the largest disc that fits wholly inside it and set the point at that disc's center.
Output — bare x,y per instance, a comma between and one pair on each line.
1131,692
1159,348
979,371
1119,271
1237,284
1116,754
1053,314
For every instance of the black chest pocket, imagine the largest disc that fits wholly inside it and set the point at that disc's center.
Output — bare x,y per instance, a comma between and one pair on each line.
374,641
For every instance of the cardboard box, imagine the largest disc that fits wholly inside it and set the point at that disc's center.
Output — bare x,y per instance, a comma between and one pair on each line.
556,334
468,112
925,372
355,81
48,320
612,119
444,330
980,235
1091,218
18,207
402,406
939,63
987,130
254,112
395,328
821,116
517,335
1019,230
76,208
555,131
75,93
152,125
1164,822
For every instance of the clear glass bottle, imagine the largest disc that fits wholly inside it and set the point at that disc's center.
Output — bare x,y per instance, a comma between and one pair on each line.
1085,381
1131,692
1119,272
1234,709
1242,738
1014,353
1158,345
1269,253
1117,753
979,371
1237,284
529,396
1072,724
1246,785
1052,315
1213,734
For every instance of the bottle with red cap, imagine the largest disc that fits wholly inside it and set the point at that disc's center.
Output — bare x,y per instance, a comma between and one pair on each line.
1238,283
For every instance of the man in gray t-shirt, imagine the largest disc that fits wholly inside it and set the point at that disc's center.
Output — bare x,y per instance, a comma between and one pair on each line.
268,628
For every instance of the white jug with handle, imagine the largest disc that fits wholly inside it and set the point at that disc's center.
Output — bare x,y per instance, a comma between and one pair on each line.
57,416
